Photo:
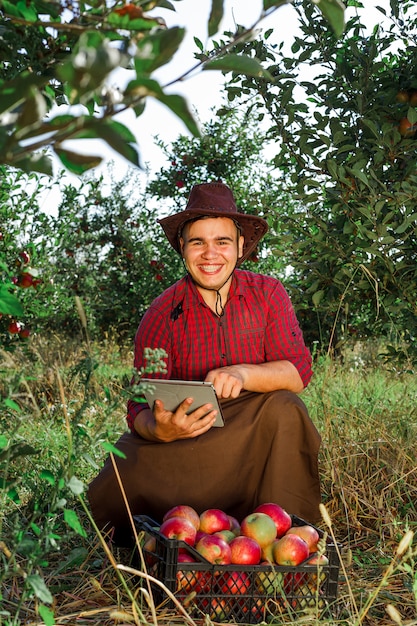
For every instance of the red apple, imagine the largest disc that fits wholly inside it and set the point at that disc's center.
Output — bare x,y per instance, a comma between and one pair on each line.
213,520
235,583
187,579
214,549
245,551
179,528
280,516
308,533
259,526
25,280
199,535
183,510
14,327
290,550
234,525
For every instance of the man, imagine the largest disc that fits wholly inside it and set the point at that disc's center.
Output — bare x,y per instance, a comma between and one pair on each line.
238,330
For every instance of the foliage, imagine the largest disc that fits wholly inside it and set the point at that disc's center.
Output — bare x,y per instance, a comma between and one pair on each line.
55,53
102,243
336,113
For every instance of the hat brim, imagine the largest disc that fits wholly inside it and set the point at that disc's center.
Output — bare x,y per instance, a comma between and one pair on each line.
253,227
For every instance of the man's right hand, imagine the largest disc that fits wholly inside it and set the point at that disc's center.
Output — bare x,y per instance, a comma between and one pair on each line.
165,426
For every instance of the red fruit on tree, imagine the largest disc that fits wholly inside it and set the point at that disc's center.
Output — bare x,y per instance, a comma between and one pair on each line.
25,280
24,333
282,519
14,327
25,257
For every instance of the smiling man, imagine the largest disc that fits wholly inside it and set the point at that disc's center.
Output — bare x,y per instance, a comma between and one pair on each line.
238,330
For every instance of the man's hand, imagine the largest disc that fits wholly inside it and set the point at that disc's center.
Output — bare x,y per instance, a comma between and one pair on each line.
165,426
228,381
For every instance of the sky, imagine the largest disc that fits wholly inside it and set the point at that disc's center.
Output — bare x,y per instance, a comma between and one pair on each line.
203,90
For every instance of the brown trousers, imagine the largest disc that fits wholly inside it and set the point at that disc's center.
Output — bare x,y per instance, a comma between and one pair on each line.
266,452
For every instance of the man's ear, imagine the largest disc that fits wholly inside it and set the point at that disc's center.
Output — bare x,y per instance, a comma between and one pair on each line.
181,242
240,246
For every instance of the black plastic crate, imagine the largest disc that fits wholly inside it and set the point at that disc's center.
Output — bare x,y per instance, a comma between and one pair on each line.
239,593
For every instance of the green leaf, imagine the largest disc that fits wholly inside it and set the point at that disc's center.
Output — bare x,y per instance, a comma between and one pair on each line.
16,91
47,615
76,485
9,304
76,163
334,12
73,522
179,106
11,404
110,448
317,297
216,16
37,162
39,587
239,64
48,476
268,4
157,49
118,137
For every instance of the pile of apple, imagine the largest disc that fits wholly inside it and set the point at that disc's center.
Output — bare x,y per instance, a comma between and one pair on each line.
265,536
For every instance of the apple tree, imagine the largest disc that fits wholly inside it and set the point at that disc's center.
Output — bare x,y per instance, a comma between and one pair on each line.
56,59
343,115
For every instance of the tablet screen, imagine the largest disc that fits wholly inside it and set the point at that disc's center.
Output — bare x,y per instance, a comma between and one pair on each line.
173,392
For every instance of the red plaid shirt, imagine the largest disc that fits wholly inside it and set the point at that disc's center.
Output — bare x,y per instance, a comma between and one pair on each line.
258,325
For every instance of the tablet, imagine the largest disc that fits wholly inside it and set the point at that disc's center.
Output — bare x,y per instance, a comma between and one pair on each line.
173,392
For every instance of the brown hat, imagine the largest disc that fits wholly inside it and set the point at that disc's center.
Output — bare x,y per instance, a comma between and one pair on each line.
214,200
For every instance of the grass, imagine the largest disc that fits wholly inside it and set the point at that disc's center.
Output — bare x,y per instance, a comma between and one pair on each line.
61,406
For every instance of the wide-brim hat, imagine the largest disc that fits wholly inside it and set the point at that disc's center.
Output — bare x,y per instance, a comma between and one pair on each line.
214,200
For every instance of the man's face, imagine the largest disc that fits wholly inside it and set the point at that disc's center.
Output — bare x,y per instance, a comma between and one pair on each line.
211,248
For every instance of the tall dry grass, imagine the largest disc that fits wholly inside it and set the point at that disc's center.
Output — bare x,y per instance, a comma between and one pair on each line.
71,402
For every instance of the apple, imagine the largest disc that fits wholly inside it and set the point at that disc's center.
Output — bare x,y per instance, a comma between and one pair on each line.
234,525
290,550
259,526
25,280
268,552
269,583
24,333
319,560
282,519
179,528
25,257
183,510
406,128
187,579
308,533
235,583
213,520
14,327
292,581
227,535
214,549
198,536
245,551
402,96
